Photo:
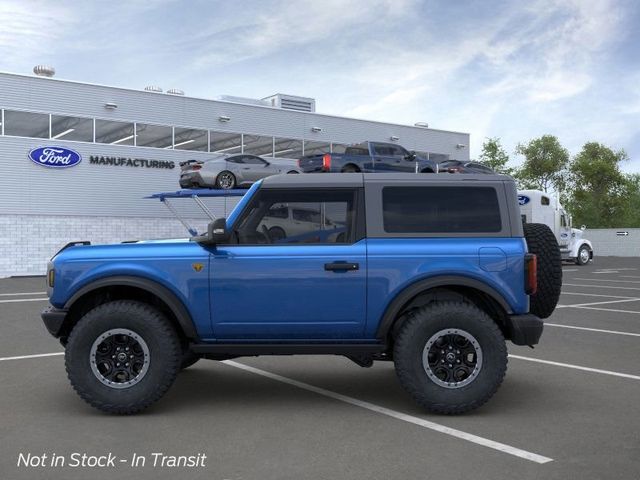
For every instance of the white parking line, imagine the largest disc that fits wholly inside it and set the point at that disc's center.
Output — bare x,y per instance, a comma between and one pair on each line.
597,330
600,286
570,269
485,442
576,367
610,310
629,276
39,355
594,295
18,294
606,280
598,303
18,300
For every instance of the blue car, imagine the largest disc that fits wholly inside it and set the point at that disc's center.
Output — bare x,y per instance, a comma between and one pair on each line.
432,272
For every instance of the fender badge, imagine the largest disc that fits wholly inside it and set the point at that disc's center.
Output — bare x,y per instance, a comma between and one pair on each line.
197,266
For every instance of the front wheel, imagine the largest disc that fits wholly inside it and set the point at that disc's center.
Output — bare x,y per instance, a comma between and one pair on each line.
584,255
450,356
122,356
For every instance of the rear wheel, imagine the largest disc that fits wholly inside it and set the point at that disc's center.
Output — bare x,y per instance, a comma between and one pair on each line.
542,242
122,356
225,180
450,356
350,169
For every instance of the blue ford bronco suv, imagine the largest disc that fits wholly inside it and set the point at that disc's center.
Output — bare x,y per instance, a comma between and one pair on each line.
433,273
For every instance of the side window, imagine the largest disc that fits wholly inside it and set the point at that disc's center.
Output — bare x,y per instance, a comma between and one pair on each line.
544,201
317,217
398,151
563,221
237,159
441,210
383,150
253,160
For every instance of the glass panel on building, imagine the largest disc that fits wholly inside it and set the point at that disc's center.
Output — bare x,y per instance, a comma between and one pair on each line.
157,136
115,133
26,124
287,148
316,148
258,145
225,142
338,147
71,128
190,139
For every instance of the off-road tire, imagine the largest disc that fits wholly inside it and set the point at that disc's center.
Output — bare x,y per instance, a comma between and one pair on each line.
165,356
414,334
579,260
542,242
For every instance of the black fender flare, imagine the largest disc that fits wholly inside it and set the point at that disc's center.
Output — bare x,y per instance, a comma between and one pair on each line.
395,306
176,306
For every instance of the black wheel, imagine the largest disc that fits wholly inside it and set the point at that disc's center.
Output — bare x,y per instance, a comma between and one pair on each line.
225,180
350,169
292,172
450,356
541,241
188,359
277,234
122,356
584,255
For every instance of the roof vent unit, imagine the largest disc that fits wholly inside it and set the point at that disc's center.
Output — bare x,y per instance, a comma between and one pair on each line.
244,100
175,91
44,71
291,102
153,88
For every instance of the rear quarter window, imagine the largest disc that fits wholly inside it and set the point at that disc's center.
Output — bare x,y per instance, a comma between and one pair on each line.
433,209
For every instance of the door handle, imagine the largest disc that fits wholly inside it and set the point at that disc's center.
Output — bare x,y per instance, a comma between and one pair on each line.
341,266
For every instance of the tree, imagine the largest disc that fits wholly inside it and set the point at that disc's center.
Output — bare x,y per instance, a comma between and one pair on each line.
601,195
545,164
494,156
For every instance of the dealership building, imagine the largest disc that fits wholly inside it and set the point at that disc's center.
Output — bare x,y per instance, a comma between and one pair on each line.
120,145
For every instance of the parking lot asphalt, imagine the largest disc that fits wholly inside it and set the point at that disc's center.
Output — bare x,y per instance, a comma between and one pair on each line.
567,409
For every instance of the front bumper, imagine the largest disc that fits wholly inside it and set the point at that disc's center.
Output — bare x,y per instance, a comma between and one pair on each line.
53,319
525,329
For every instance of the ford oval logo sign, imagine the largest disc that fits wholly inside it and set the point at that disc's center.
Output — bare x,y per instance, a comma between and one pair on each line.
523,199
55,157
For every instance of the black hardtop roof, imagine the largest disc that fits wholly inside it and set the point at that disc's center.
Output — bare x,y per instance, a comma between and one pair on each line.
338,180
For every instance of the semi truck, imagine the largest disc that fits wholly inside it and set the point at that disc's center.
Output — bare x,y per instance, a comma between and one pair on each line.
539,207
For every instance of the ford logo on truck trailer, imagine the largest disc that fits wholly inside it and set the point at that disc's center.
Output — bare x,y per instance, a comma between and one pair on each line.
55,157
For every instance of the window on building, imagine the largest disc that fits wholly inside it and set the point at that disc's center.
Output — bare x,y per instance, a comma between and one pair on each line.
224,142
287,148
258,145
441,210
113,132
157,136
299,217
71,128
26,124
190,139
316,148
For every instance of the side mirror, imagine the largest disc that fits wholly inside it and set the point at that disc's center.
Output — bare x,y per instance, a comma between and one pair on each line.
583,227
411,156
216,233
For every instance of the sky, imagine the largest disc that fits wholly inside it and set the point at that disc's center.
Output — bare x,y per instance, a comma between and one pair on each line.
509,69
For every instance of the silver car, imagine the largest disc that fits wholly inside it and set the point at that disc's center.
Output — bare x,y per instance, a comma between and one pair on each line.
231,171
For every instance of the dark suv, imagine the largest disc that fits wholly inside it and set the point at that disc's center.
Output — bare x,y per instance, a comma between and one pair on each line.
431,272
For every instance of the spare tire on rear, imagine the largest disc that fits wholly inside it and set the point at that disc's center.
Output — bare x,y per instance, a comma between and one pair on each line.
542,242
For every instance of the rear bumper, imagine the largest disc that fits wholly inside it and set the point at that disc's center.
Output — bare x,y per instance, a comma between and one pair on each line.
525,329
53,319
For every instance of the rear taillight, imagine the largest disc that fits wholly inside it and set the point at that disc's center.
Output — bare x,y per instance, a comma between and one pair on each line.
530,274
326,162
299,163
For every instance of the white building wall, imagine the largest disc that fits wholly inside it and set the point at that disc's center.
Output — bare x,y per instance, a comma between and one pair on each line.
607,243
